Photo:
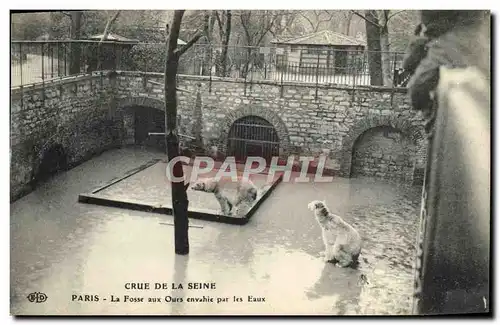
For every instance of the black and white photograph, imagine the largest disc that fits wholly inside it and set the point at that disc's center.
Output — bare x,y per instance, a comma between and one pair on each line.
250,162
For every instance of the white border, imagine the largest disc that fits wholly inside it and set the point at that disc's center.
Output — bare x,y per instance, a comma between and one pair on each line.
186,4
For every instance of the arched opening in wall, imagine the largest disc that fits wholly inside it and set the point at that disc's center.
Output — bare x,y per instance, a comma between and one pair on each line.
53,160
252,136
146,120
383,152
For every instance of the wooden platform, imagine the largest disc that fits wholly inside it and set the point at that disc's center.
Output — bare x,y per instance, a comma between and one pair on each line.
99,196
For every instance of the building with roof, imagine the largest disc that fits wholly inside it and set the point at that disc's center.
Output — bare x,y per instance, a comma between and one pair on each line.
324,50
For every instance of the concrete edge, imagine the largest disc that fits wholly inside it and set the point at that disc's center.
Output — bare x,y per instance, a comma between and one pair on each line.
194,213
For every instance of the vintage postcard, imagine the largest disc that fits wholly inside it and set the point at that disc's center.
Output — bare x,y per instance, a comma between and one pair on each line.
250,162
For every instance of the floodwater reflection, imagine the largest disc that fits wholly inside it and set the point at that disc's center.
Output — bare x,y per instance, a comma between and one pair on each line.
61,247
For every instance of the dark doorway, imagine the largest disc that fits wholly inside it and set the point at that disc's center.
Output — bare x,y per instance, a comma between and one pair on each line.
252,136
54,160
383,152
150,120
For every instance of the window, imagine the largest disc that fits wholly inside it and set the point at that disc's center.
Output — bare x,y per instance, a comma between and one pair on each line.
341,61
313,51
280,60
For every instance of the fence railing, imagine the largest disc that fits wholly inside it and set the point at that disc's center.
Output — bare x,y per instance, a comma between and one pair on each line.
39,61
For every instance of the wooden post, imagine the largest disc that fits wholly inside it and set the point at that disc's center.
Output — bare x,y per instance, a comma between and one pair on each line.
317,76
179,197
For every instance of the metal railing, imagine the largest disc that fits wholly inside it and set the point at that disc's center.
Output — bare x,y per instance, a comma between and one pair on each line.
38,61
453,269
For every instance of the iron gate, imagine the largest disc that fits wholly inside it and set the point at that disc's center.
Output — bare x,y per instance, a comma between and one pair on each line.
252,136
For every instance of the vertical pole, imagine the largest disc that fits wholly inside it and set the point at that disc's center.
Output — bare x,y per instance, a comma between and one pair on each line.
65,55
353,81
21,66
58,59
282,71
355,68
317,76
210,68
21,61
245,70
51,60
252,70
394,80
43,61
99,62
118,56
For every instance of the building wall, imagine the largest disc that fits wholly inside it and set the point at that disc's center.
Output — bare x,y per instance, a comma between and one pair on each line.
73,113
307,56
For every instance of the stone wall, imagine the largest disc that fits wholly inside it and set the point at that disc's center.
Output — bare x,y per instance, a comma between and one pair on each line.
383,152
89,114
73,113
307,120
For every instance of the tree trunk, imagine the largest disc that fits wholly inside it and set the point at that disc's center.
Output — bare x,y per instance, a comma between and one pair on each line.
207,51
384,45
225,42
348,23
246,66
75,48
100,54
179,196
373,44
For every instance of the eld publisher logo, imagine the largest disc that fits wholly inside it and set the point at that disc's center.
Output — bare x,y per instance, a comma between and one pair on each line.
37,297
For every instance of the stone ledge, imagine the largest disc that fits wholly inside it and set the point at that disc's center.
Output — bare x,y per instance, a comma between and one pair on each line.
195,213
269,82
18,90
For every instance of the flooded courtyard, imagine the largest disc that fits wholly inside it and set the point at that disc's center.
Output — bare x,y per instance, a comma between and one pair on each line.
74,252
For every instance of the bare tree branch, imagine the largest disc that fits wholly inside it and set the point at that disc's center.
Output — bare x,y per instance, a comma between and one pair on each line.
267,29
244,23
178,52
219,23
108,25
366,19
348,17
317,18
190,43
394,14
324,20
308,20
105,37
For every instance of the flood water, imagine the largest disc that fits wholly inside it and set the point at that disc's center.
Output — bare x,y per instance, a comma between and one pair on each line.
67,249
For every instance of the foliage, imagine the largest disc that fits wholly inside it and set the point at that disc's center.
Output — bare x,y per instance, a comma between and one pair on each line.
401,29
29,26
151,58
147,57
144,25
255,27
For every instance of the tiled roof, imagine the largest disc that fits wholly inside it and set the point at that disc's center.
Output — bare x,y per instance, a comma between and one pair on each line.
325,37
113,37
